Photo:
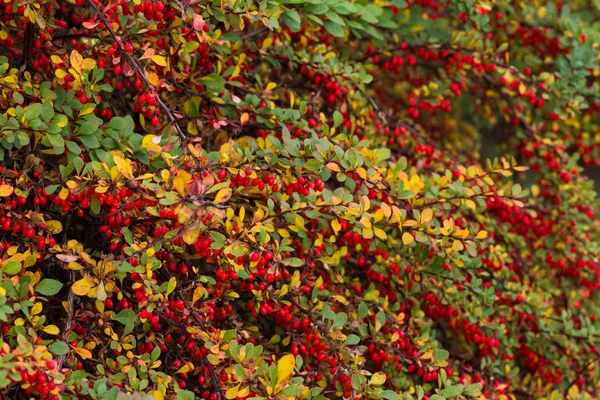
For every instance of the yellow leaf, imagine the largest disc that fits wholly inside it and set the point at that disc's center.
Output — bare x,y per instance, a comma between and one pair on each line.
372,295
335,225
6,190
63,194
267,43
223,195
52,330
270,86
361,172
153,78
74,266
481,235
228,153
124,166
180,186
232,393
180,182
380,233
152,143
158,395
83,286
101,292
76,61
54,227
470,204
83,353
407,238
160,60
191,234
198,294
377,379
244,118
426,215
36,309
56,59
60,73
89,63
86,110
285,367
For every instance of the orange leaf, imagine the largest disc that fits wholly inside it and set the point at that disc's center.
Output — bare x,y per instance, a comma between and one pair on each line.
6,190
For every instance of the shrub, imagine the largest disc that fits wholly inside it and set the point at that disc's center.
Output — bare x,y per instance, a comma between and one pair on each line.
310,199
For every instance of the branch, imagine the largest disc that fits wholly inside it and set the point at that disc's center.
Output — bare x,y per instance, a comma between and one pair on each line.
70,299
139,70
408,127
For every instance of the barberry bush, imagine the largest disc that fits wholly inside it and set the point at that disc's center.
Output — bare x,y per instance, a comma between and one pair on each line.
299,199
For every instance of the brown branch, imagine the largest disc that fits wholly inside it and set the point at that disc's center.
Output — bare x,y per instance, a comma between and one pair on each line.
139,71
197,2
70,298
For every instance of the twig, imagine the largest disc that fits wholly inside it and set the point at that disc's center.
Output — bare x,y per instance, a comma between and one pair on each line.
254,33
197,2
213,375
583,370
69,323
139,70
406,125
70,298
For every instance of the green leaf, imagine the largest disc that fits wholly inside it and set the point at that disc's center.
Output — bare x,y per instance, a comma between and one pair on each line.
452,391
340,320
48,287
441,355
351,340
171,285
47,111
317,9
213,82
406,194
59,348
78,164
291,19
372,295
185,395
33,111
87,128
363,310
95,205
333,17
389,394
55,140
90,141
333,28
118,123
125,317
12,268
338,118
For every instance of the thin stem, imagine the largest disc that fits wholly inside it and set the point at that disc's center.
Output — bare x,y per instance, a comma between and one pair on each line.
139,70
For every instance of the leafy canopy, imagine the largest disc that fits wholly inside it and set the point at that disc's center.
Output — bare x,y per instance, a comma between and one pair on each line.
298,199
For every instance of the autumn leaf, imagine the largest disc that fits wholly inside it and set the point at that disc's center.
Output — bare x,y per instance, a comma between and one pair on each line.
83,353
407,238
83,286
52,329
223,195
6,190
285,367
159,60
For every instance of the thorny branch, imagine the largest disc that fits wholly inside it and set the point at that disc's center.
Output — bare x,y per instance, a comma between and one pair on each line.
139,71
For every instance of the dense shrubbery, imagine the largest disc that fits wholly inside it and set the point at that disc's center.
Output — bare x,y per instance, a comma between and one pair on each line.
312,199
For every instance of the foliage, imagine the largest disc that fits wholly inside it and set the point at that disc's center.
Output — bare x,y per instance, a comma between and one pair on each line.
310,199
